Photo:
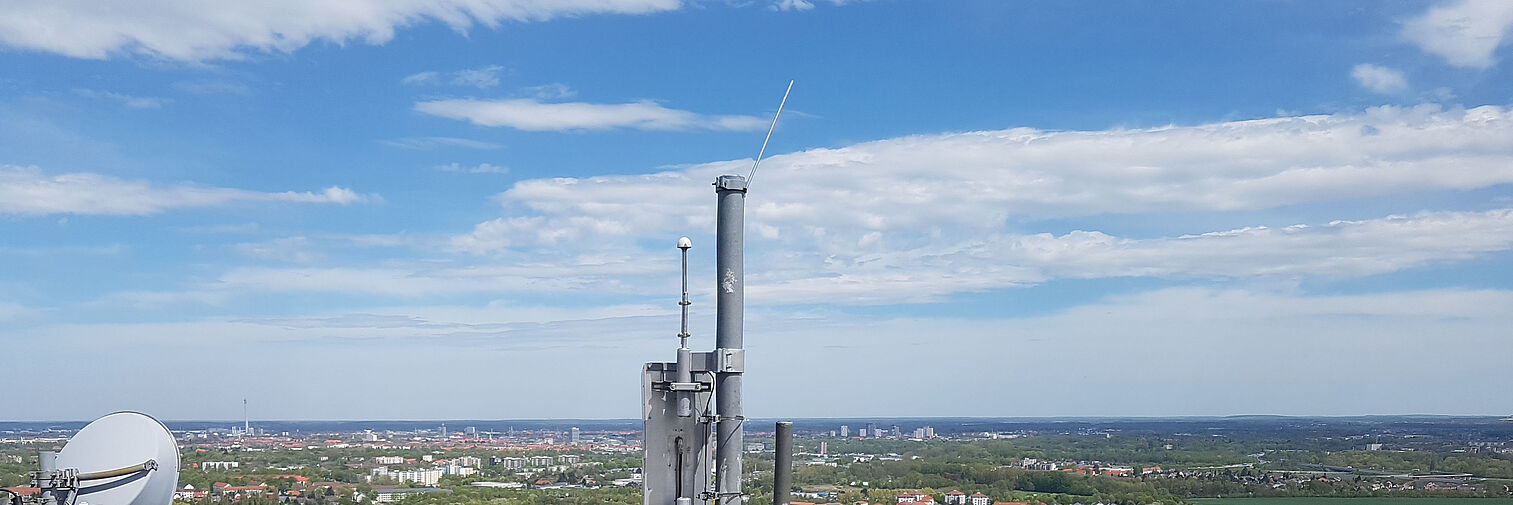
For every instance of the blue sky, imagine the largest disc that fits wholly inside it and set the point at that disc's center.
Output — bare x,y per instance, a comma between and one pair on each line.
350,209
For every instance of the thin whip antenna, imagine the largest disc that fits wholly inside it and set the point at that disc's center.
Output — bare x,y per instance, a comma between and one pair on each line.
774,126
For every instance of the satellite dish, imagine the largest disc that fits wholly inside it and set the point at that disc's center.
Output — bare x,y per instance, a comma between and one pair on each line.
125,458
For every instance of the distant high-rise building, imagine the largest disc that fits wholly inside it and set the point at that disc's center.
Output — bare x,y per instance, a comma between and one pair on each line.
824,446
845,431
576,436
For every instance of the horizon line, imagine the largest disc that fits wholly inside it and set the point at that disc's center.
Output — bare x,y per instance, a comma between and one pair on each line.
628,419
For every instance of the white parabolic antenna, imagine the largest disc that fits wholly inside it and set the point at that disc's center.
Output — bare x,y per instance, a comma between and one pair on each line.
125,458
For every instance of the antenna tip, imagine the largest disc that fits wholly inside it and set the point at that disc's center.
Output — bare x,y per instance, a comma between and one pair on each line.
684,243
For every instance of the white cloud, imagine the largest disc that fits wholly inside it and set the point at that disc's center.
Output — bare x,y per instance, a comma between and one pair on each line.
917,218
193,30
29,191
237,229
792,5
551,91
56,251
426,143
128,101
212,87
980,181
1465,33
802,5
883,267
482,77
547,273
288,249
427,77
533,115
481,168
1378,79
929,273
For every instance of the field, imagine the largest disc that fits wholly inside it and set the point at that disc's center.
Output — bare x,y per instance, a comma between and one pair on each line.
1350,501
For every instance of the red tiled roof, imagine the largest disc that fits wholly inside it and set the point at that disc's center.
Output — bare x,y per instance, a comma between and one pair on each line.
23,491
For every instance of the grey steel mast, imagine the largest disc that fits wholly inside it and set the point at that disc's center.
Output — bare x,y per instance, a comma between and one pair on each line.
676,406
729,335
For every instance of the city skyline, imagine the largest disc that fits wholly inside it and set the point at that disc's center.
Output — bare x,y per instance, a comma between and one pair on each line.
468,210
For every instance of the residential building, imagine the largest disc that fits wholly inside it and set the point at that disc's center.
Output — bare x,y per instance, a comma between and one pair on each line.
230,492
915,496
397,494
429,476
956,498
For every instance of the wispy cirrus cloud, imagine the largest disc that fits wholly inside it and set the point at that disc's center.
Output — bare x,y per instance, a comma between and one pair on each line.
802,5
535,115
1465,33
481,168
189,30
482,77
424,143
128,101
28,191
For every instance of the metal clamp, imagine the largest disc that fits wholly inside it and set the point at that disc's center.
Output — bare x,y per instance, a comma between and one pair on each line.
729,360
687,386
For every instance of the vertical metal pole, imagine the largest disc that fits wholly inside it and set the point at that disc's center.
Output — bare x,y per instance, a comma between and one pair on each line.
729,314
685,356
782,467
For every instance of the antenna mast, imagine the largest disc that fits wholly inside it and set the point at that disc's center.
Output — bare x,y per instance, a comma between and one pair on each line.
676,397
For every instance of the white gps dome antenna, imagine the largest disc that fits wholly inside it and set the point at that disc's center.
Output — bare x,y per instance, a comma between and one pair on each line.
125,458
